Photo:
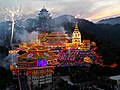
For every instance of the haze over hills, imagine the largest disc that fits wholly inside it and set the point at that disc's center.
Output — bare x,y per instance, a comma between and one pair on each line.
112,21
63,23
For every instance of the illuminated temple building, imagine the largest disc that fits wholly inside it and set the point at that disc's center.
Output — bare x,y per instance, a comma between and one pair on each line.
76,37
38,63
36,52
59,40
54,40
80,51
76,41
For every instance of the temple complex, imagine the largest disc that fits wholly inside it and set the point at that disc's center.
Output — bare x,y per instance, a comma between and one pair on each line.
54,49
40,58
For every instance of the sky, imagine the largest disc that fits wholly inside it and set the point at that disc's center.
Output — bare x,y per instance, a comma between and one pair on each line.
93,10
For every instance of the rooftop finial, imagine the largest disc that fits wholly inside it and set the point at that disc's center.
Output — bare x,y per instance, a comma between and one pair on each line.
43,6
76,27
76,24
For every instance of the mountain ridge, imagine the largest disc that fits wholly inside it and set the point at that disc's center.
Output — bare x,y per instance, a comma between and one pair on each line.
64,22
112,21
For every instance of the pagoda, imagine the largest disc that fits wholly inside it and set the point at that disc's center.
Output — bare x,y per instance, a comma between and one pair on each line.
44,20
76,36
77,43
43,14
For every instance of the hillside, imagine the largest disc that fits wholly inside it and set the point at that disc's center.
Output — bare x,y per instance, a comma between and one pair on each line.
112,21
66,23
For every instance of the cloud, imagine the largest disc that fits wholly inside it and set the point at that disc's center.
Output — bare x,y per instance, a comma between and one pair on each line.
86,8
102,9
26,37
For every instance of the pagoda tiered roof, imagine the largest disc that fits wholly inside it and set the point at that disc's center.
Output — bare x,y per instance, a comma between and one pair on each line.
86,41
37,54
58,34
37,51
38,48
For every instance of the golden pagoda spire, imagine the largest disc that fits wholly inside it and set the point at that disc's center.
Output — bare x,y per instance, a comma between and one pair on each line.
76,27
76,36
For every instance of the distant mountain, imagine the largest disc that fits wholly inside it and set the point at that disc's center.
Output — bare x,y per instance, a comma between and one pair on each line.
96,32
111,21
64,18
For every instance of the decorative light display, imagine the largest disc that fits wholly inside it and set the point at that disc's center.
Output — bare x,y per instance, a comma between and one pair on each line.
75,55
87,60
41,62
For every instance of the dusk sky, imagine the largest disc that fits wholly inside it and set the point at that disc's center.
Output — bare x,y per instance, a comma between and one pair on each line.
93,10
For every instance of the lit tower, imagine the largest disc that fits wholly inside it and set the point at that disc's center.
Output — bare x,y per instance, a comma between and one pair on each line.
76,36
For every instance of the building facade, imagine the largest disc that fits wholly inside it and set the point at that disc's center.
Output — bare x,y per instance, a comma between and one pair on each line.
76,36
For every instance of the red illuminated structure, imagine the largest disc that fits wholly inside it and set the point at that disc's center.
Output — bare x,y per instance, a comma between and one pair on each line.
36,64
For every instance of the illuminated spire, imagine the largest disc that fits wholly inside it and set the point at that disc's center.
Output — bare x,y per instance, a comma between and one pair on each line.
76,25
76,36
76,28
